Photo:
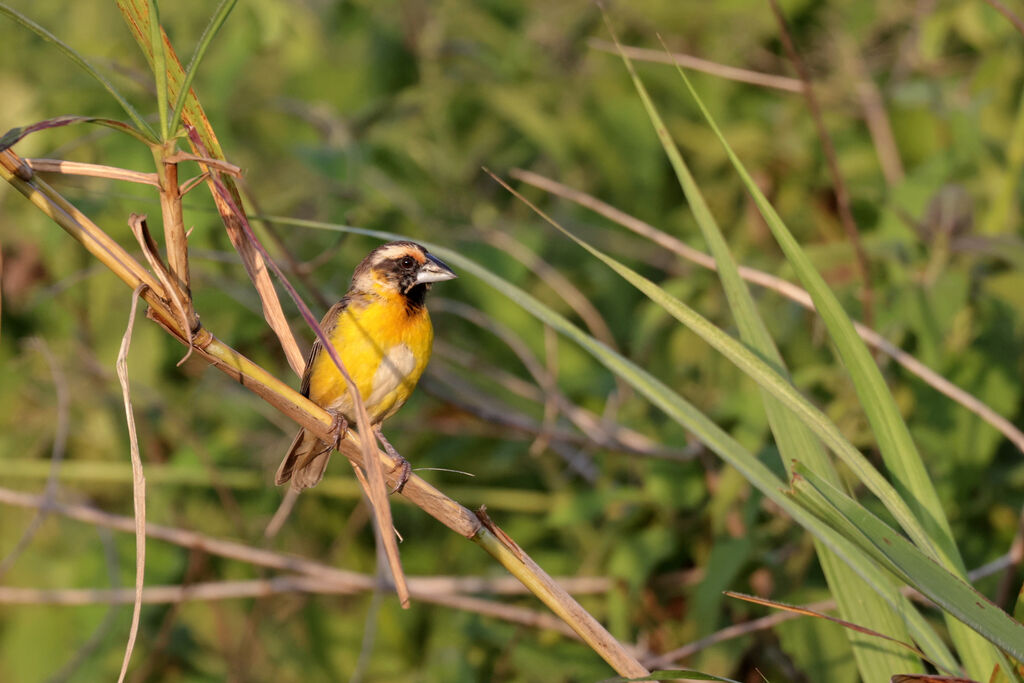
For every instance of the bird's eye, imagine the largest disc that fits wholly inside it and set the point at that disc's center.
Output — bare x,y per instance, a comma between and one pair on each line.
407,262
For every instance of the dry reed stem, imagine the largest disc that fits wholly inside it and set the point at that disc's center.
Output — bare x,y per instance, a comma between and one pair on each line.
731,73
138,483
263,588
783,287
312,417
314,577
92,170
175,237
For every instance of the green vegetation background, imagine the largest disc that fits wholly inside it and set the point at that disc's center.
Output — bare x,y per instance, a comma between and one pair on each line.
380,115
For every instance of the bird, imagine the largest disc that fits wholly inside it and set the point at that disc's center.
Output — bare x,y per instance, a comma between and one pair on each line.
382,333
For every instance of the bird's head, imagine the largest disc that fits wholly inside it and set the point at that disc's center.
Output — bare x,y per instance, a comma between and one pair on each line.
403,268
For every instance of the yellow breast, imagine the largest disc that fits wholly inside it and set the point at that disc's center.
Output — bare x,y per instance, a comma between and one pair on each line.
385,347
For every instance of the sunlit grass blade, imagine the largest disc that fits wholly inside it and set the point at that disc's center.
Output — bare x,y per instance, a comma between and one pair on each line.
680,410
897,448
214,25
876,659
904,559
78,59
156,41
764,374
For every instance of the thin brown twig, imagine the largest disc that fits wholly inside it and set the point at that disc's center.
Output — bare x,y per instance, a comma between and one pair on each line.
175,235
92,170
842,193
598,429
340,579
731,73
564,288
138,483
783,287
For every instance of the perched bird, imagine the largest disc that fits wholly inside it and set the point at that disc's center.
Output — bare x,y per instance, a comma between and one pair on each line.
382,333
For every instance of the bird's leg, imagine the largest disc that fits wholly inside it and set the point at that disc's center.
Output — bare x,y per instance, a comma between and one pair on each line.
402,462
339,429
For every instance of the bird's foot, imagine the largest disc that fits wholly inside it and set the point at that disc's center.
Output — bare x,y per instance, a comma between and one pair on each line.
402,464
339,429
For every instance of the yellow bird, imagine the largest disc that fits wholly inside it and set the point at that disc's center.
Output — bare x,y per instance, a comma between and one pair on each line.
382,333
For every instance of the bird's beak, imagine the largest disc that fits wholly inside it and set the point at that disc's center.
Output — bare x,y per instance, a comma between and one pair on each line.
434,270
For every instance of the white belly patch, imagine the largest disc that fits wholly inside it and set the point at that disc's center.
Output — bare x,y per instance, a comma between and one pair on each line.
394,368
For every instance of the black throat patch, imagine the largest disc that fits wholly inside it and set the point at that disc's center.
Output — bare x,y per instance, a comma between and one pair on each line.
415,297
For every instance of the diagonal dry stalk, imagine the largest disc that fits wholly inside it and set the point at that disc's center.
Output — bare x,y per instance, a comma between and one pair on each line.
289,402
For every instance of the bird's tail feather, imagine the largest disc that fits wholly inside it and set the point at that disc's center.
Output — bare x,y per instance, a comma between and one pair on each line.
305,462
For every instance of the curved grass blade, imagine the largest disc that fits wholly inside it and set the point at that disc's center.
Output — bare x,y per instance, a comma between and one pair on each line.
904,559
140,123
214,25
876,659
12,136
897,448
766,376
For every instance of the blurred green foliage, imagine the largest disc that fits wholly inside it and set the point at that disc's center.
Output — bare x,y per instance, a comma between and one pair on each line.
381,115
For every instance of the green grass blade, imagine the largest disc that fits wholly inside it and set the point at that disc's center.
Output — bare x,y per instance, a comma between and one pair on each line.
897,448
767,377
901,557
858,604
696,422
156,40
78,59
214,25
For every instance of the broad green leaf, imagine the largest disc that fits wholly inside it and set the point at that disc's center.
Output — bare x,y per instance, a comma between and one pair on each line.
900,556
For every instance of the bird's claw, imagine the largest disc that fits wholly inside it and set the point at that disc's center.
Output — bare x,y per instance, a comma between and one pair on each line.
406,469
339,429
